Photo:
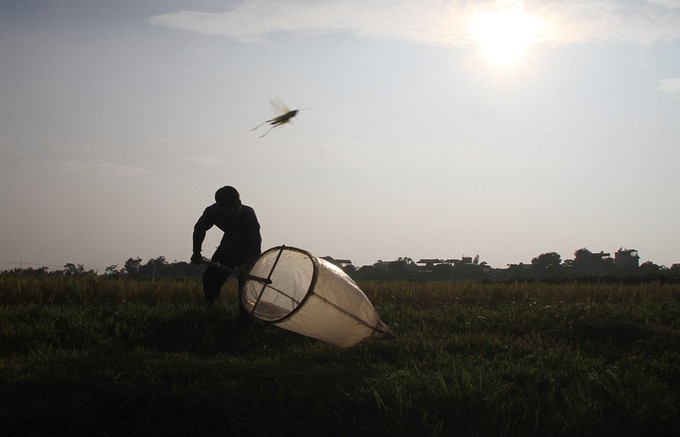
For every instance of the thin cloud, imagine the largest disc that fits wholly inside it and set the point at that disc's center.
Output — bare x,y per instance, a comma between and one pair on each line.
204,161
98,168
670,4
155,142
670,86
431,22
636,22
261,20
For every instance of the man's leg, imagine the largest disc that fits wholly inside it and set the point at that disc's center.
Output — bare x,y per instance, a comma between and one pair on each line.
213,280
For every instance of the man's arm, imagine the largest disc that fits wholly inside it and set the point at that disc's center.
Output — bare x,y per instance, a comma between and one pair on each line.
200,229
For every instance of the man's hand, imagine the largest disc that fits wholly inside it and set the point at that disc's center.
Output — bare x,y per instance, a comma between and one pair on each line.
245,267
197,258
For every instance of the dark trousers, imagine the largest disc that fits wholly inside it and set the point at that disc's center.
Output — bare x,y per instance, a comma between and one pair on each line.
213,280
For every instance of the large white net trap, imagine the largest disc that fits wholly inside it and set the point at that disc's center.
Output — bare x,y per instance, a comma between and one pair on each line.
299,292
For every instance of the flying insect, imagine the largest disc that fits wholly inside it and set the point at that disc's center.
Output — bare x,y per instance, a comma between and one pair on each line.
282,119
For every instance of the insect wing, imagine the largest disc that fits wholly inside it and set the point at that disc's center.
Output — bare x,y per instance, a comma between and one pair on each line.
279,106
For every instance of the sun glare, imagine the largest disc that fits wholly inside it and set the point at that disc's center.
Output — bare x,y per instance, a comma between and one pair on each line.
503,33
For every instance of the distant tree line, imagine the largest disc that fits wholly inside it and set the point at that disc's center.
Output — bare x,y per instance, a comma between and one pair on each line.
133,268
546,266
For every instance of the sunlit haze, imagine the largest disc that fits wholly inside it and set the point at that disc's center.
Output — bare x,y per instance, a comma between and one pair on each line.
435,129
504,32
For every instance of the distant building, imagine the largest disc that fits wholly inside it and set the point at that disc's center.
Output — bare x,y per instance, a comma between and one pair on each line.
429,262
465,260
337,262
587,263
627,262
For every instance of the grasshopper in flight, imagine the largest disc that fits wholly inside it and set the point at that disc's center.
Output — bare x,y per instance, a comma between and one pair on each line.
282,119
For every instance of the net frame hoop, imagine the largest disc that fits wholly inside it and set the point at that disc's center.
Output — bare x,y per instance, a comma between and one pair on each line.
310,289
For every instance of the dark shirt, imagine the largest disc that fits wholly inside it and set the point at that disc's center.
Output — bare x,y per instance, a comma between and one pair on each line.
241,243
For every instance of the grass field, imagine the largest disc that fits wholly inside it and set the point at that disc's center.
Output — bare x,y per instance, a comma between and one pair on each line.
90,356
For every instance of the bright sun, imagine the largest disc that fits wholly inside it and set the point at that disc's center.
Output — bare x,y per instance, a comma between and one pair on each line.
503,33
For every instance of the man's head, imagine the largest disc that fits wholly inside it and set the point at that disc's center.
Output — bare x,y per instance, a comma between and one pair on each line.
228,199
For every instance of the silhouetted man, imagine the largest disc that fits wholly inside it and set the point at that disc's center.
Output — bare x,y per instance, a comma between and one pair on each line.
240,245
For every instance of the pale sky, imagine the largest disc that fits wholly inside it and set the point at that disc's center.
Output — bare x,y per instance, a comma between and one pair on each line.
435,129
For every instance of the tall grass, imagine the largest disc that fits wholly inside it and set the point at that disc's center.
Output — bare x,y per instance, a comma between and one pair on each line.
111,357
